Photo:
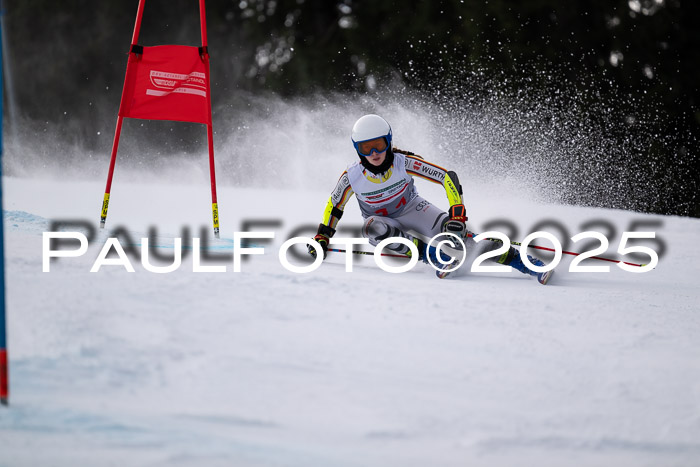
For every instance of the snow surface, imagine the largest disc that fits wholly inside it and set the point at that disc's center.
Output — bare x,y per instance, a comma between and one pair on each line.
270,368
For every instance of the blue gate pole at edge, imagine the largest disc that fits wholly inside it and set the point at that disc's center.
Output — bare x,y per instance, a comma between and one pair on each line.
4,386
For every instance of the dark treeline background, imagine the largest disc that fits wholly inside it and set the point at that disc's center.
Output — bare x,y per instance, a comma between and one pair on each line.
67,58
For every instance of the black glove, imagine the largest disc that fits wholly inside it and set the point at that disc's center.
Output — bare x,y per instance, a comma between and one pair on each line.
456,224
323,241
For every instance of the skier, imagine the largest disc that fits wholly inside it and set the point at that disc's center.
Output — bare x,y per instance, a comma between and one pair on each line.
383,181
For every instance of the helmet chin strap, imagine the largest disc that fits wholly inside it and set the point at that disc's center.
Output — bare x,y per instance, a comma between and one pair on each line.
379,169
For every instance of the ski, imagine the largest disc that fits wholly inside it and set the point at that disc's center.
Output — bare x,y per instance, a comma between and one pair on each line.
543,277
447,270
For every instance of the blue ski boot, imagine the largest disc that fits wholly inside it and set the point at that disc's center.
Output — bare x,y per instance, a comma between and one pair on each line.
512,259
428,254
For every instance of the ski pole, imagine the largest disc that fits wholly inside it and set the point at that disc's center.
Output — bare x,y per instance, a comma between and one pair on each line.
360,252
565,252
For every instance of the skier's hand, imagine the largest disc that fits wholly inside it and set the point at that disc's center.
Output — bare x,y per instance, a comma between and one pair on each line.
456,224
323,241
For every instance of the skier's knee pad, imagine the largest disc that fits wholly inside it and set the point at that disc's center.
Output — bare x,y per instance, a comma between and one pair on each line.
372,227
377,229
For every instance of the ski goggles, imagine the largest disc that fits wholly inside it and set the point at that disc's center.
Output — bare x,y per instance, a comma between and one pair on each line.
366,148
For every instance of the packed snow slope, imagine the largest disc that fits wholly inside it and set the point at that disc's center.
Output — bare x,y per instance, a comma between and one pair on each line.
266,367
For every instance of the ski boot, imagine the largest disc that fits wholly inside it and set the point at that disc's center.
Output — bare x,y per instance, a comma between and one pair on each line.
428,254
512,259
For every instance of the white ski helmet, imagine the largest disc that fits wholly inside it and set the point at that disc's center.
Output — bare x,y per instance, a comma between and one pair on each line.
368,128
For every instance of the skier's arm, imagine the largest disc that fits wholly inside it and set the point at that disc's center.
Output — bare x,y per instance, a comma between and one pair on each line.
332,214
415,165
336,203
457,223
453,188
418,167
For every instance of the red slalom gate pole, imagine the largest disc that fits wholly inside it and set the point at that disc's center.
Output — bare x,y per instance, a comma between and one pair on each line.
4,379
210,132
137,25
118,130
4,370
112,161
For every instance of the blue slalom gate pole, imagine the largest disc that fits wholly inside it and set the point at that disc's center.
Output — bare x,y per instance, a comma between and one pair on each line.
4,384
